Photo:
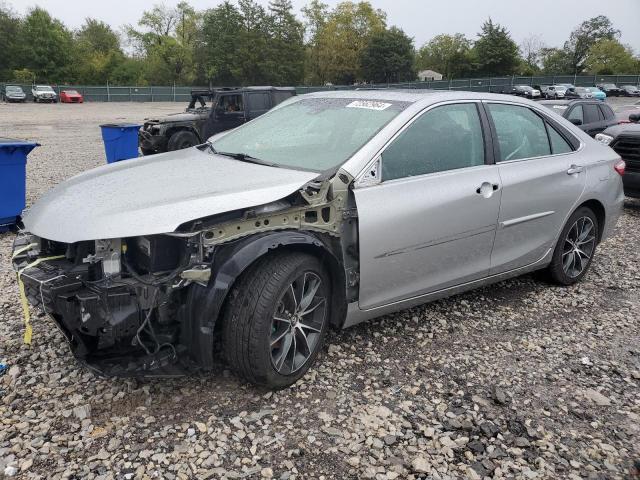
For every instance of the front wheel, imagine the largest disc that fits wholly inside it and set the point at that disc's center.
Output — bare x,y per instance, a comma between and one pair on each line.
576,247
276,319
181,140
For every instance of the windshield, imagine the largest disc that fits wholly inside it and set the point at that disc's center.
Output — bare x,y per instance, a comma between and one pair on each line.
560,88
314,134
525,87
44,89
13,89
630,88
593,89
581,90
609,85
71,92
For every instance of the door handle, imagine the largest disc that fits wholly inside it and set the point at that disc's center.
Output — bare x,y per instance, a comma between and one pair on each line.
574,169
487,189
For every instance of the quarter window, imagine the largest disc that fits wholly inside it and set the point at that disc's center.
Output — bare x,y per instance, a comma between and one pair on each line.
558,143
444,138
521,133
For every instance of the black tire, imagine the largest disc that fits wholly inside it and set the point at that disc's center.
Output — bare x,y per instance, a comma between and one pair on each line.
182,139
248,319
565,249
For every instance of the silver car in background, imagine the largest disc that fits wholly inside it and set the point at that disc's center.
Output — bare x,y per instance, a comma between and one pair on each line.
555,91
44,93
329,210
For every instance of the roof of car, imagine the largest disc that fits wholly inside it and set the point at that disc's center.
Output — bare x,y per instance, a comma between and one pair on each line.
415,96
569,102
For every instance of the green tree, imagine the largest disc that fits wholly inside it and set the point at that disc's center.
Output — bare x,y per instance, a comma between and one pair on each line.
389,57
316,14
610,57
286,47
98,53
587,34
343,37
555,61
221,31
9,28
45,47
167,39
446,54
254,43
495,53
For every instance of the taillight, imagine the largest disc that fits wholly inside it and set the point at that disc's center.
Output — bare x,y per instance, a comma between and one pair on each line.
620,166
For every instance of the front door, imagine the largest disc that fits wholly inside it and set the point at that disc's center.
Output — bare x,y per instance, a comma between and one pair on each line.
430,222
228,113
541,179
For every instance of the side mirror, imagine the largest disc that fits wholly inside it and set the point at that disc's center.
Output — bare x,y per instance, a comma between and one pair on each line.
634,117
576,121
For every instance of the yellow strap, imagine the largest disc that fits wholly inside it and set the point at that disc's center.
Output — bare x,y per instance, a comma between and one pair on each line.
23,296
23,249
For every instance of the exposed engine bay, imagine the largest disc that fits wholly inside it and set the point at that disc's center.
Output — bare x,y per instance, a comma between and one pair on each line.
148,305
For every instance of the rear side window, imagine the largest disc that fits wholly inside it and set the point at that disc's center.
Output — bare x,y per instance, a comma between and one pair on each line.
444,138
592,114
607,112
558,143
259,101
521,133
576,113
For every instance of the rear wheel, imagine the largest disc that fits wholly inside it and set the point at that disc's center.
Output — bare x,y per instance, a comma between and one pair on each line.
576,247
276,318
182,139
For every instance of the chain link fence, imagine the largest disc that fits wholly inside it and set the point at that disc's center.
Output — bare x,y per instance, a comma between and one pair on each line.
107,93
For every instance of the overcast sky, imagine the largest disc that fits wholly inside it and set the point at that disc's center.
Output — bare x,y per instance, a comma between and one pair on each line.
552,20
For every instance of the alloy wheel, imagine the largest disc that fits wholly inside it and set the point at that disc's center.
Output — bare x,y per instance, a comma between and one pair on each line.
297,323
579,245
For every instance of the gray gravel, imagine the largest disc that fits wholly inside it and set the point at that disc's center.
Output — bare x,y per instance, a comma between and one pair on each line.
517,380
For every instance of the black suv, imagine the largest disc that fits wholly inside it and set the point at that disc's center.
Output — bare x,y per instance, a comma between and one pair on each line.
592,116
611,89
228,108
625,140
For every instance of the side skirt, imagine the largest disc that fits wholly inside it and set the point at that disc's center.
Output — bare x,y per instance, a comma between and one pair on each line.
356,315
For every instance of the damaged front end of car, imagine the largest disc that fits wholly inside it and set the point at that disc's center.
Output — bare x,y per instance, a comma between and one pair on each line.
149,305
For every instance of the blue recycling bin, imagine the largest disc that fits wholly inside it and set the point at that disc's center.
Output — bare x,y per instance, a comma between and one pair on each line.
13,172
120,141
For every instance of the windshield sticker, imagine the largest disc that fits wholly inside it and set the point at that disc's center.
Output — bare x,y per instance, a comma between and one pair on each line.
369,105
560,107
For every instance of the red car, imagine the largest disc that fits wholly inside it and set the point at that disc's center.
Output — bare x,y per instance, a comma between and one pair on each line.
71,96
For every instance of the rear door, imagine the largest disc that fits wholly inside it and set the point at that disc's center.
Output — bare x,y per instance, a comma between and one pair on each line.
609,116
594,121
542,178
431,221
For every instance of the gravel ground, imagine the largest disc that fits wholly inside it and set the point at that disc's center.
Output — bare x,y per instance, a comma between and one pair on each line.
517,380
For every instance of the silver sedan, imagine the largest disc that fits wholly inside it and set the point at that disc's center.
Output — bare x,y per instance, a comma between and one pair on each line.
331,209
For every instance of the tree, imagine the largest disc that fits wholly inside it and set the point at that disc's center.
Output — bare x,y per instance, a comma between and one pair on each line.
221,32
9,28
531,50
495,53
97,52
317,15
168,41
610,57
342,39
555,61
446,54
45,46
587,34
286,46
389,57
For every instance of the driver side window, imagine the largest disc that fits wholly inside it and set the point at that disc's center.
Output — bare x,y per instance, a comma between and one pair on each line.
521,133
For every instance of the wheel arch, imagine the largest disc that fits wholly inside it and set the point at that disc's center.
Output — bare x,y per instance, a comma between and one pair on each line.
598,209
181,128
204,305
